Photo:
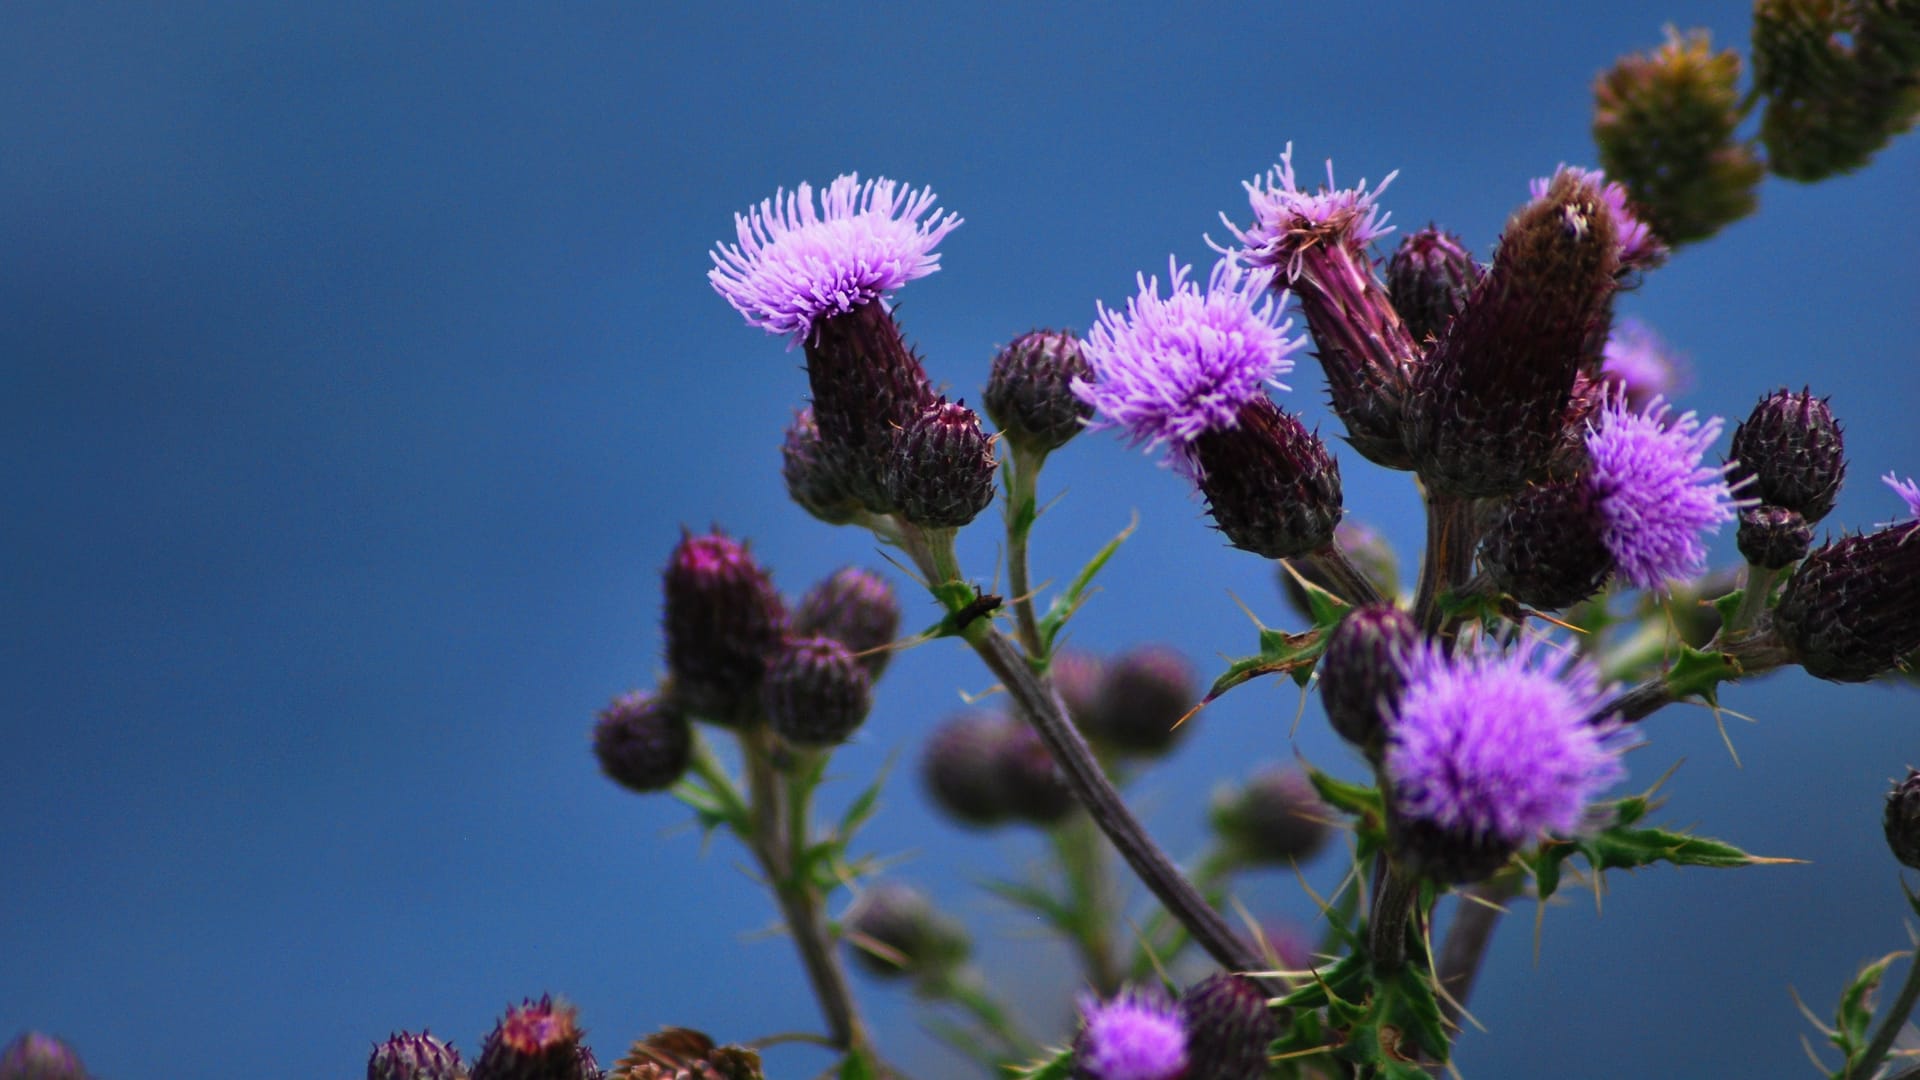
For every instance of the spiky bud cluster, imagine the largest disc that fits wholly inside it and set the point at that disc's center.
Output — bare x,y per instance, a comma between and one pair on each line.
856,608
36,1056
643,741
1361,674
1277,818
1902,819
1548,549
867,387
986,769
1270,484
1228,1028
1792,448
940,474
536,1040
895,931
1143,695
1030,390
1852,609
1773,537
1364,546
813,474
815,692
722,619
411,1056
1429,277
1841,79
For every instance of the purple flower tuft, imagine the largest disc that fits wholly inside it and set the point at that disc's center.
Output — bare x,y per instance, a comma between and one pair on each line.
1909,491
1639,248
1655,495
1286,220
794,265
1135,1036
1494,742
1641,363
1172,367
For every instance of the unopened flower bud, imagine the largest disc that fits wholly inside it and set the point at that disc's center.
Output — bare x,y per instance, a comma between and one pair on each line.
1143,695
1228,1028
1360,672
722,620
1076,677
643,742
1368,551
856,608
1792,448
1429,277
1270,484
410,1056
941,473
1773,537
1902,820
898,932
1031,783
1030,390
867,388
816,693
815,477
1276,818
961,768
1852,609
34,1056
1548,550
536,1040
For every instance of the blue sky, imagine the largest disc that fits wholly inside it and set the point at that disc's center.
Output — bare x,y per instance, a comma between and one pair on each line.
360,370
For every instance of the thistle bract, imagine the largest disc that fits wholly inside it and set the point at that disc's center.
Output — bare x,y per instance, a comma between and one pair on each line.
903,933
1228,1028
1270,484
1363,670
1143,695
940,473
1549,549
1030,390
1135,1036
722,620
813,474
1276,818
1852,609
1429,277
410,1056
1773,537
1792,448
536,1040
1656,497
815,693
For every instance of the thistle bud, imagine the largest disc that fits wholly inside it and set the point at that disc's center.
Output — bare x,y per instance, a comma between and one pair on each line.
1548,550
1271,485
537,1040
941,473
1902,820
1143,695
1368,551
1852,609
1031,784
1030,390
1228,1028
723,618
814,475
897,932
961,768
1792,448
34,1056
867,386
643,742
1773,537
816,693
1360,673
410,1056
1277,818
1076,677
856,608
1429,277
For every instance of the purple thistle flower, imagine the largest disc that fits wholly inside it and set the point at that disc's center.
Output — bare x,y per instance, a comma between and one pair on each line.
1494,743
1641,363
1655,495
1639,248
1287,220
1170,368
1909,491
1135,1036
795,265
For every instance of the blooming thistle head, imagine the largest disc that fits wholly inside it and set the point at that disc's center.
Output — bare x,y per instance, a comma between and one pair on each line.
1655,495
795,264
1288,221
1908,491
1135,1036
1642,364
1638,248
1490,747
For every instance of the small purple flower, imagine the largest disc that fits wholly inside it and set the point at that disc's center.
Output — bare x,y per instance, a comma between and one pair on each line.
1639,248
1135,1036
1172,367
1909,491
1655,495
795,265
1641,362
1287,220
1494,742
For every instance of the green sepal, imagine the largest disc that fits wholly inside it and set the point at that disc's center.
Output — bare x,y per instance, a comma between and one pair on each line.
1057,1067
1064,605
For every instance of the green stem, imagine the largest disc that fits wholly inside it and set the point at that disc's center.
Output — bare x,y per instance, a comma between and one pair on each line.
1022,508
1753,601
1393,907
1082,854
1890,1024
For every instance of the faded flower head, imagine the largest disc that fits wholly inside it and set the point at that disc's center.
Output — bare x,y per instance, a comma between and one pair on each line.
1287,220
1908,491
1655,495
796,264
1169,368
1641,363
1135,1036
1639,249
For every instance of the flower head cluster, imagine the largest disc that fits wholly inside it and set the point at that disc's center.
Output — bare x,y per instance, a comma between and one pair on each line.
1171,367
1910,491
1639,248
1655,495
795,264
1641,363
1494,742
1288,220
1133,1037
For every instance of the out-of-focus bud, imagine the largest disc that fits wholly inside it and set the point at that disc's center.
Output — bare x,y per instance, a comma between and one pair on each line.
1360,673
643,742
1429,277
867,387
409,1056
1030,390
1902,820
1228,1028
1031,783
814,476
895,931
1365,548
816,693
1076,677
1641,364
536,1040
1792,448
1852,609
723,619
35,1056
1270,484
961,768
1144,694
1841,80
1773,537
1547,551
1277,818
941,473
856,608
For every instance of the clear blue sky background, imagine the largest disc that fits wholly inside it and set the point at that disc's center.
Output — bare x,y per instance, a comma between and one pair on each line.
360,371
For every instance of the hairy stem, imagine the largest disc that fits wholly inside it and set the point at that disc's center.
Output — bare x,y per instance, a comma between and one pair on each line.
1022,476
1447,563
1393,905
1890,1024
1349,583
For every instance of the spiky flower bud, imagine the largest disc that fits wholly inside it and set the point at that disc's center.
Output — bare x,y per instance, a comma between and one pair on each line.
1773,537
814,474
1792,448
856,608
536,1040
35,1056
1030,390
1270,484
1549,550
1364,546
815,692
896,931
1137,1035
1228,1028
1361,674
411,1056
722,620
1902,819
941,472
1852,609
1430,275
643,742
1276,818
961,768
867,388
1143,695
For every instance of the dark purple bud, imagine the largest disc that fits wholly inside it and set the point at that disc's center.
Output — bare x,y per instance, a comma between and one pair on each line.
1368,551
1773,537
856,608
537,1040
1852,609
1144,694
867,386
1547,551
1488,406
897,932
816,693
1076,677
1228,1028
1360,672
1429,278
409,1056
1902,820
1792,448
961,768
723,620
1278,818
941,473
643,742
1447,856
1365,349
34,1056
815,477
1030,390
1270,484
1031,783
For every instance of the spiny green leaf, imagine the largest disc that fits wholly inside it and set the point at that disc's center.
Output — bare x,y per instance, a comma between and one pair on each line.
1280,653
1854,1018
1361,800
1697,672
1413,1010
1729,605
864,804
1057,1067
1068,602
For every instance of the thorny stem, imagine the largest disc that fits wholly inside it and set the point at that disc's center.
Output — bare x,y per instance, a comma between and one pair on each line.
1022,506
1890,1024
1447,564
1393,905
1349,583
